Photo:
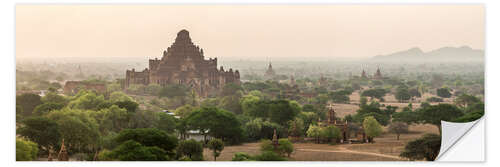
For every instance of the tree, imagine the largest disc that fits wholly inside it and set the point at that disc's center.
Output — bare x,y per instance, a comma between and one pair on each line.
315,132
330,132
414,92
130,106
47,107
174,91
372,128
408,117
230,89
402,93
149,137
437,113
166,122
443,92
426,147
78,128
28,102
231,103
464,100
285,147
341,96
296,127
253,128
216,145
41,130
219,123
470,116
282,111
53,97
374,93
191,148
112,119
131,150
184,111
398,128
119,96
26,150
87,101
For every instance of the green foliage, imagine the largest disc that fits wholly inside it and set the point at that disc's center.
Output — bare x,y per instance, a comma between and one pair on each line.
269,156
131,150
341,96
184,110
41,130
398,128
242,156
470,116
174,91
253,128
27,102
191,148
105,155
166,122
143,119
119,96
434,99
437,113
373,109
77,127
414,92
230,89
314,132
231,103
426,147
216,145
330,132
285,147
408,117
374,93
130,106
464,100
296,127
149,137
47,107
372,128
402,93
52,97
219,123
112,119
87,101
443,92
26,150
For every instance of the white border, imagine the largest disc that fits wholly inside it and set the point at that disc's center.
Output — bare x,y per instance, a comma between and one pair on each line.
7,87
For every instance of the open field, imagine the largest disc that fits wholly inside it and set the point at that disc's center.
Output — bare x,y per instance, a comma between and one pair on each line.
385,148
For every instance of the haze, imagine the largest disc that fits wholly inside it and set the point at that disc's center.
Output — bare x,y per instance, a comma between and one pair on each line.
247,32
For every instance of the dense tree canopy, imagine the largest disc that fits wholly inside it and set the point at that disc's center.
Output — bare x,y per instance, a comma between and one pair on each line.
426,147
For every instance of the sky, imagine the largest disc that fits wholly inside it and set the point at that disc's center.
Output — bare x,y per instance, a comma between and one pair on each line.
245,32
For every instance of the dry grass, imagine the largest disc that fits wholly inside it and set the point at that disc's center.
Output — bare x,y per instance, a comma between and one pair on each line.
385,148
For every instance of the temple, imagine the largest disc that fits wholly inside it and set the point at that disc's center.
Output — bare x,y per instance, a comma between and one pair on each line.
184,63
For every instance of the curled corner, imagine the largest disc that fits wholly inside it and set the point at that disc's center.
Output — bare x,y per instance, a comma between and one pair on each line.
452,133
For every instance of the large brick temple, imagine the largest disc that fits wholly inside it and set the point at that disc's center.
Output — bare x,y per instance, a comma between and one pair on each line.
184,63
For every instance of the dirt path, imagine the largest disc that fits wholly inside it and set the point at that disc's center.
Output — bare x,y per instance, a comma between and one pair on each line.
345,150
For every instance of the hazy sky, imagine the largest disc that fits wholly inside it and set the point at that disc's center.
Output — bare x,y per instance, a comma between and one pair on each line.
258,32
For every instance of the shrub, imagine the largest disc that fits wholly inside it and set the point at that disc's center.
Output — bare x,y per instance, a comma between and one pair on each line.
26,150
242,156
434,99
269,156
285,147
